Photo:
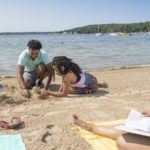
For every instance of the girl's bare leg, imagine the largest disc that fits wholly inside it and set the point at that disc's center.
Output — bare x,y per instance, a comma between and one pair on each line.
107,131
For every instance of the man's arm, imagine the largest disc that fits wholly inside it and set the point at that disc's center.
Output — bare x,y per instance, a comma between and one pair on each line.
20,71
25,90
50,75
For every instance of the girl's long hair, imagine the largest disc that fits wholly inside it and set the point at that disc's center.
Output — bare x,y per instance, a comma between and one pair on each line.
66,65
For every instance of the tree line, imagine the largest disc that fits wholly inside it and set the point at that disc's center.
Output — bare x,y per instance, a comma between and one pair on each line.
113,27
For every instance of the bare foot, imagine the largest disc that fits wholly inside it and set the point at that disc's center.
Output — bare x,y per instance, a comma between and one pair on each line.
103,85
82,123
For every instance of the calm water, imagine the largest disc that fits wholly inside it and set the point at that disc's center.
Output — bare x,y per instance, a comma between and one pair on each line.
89,51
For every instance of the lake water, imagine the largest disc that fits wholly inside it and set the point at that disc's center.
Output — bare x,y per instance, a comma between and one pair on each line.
88,50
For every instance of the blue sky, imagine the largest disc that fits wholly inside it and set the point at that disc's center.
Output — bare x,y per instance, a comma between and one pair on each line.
55,15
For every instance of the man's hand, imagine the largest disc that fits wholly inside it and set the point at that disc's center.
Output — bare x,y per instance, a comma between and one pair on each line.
50,75
26,93
146,113
46,87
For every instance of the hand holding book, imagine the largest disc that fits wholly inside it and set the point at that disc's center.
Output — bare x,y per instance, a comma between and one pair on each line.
137,123
137,120
146,113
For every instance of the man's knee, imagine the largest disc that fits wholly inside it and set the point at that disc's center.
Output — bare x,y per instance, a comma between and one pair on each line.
121,143
28,83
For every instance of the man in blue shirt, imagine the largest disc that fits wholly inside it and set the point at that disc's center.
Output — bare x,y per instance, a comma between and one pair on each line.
33,67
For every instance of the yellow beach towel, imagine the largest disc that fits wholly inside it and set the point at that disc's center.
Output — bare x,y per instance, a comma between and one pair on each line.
99,142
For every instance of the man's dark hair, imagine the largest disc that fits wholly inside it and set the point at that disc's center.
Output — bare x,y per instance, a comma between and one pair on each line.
34,45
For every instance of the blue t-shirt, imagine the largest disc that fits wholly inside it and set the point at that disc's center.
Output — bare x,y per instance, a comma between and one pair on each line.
29,64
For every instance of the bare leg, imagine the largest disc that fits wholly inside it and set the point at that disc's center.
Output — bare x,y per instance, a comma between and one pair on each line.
133,142
28,83
107,131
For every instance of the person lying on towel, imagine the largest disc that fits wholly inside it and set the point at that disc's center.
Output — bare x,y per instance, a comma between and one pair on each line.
124,140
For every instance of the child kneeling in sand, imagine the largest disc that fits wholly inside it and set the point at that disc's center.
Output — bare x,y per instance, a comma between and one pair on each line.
74,80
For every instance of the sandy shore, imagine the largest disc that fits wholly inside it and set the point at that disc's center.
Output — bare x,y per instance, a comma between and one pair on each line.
48,122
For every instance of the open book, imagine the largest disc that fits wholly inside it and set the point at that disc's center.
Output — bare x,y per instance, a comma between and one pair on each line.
136,123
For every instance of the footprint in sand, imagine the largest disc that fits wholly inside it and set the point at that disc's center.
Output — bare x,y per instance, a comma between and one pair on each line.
46,134
50,126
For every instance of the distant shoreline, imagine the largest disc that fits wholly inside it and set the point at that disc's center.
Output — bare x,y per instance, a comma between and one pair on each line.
16,33
29,33
96,28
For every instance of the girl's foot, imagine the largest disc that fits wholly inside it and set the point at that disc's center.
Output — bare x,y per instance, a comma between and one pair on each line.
103,85
82,123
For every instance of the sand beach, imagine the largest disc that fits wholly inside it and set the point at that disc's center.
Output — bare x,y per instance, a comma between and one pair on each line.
48,122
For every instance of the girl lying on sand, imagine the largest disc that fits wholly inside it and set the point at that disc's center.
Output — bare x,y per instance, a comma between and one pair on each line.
74,79
124,141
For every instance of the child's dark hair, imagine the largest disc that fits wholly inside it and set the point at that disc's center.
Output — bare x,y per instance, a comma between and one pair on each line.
34,45
66,65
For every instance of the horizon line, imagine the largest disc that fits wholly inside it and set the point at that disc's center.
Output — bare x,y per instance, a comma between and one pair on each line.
19,32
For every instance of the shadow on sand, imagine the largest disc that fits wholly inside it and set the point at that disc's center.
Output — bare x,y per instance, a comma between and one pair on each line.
4,99
100,92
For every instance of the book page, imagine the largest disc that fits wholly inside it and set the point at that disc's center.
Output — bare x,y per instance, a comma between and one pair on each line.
136,120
